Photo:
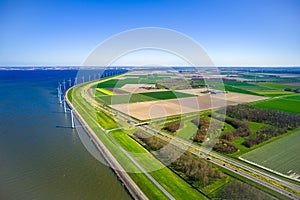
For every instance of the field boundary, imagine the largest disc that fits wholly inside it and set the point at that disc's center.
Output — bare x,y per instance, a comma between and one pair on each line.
268,169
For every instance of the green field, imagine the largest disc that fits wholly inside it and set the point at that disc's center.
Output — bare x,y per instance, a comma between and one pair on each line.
276,86
141,97
294,97
280,155
117,83
286,103
275,93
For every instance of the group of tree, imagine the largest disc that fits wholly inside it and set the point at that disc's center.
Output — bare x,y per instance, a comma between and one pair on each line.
264,134
224,146
239,115
205,126
273,117
237,190
292,90
195,170
152,143
173,127
242,128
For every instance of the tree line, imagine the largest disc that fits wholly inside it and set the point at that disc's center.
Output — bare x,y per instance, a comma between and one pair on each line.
273,117
173,127
224,144
278,123
205,126
196,171
264,134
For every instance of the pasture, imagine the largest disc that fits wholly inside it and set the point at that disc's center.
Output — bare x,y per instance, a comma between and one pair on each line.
286,103
273,157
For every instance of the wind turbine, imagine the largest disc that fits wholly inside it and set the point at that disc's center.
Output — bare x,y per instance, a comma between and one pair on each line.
75,81
72,119
71,112
70,82
64,84
59,92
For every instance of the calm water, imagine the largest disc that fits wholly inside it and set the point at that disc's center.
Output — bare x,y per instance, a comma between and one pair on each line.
40,157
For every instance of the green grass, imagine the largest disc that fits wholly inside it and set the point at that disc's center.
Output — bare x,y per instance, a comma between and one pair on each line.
276,86
69,95
254,126
227,127
238,90
170,181
188,130
275,93
253,87
117,83
282,103
105,120
293,97
274,157
142,97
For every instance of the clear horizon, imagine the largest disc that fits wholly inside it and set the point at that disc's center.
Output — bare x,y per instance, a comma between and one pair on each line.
233,33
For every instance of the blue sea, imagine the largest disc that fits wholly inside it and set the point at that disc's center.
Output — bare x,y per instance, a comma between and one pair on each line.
41,157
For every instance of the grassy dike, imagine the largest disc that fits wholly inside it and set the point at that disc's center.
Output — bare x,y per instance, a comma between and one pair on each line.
170,181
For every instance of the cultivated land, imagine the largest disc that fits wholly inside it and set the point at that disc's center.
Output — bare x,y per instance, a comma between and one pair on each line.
141,97
143,101
140,88
285,103
178,106
279,156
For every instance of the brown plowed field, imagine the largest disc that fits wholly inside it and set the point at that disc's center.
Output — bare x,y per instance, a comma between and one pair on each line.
164,108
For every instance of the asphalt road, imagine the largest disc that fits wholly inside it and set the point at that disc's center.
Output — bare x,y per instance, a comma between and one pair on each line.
232,165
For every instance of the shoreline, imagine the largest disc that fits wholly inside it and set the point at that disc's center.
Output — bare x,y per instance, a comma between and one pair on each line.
132,188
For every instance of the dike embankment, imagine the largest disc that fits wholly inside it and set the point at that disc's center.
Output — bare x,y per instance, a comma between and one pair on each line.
122,175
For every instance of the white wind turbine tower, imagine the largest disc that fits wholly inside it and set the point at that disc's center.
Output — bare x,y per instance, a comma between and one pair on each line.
59,93
75,81
64,84
71,112
70,82
83,79
72,119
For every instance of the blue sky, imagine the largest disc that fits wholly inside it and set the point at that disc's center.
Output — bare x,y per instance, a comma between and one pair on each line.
233,32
